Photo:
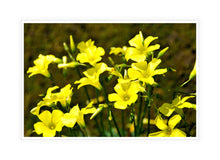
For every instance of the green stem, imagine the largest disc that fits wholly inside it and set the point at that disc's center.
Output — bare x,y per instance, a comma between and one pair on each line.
123,123
133,120
100,114
150,90
139,114
109,106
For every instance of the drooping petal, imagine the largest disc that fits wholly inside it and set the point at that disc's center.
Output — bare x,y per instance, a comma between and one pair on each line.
173,121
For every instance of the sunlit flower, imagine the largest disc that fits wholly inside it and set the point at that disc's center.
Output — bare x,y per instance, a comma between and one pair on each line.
177,105
89,53
168,130
144,72
77,116
64,97
92,76
50,123
140,48
41,65
126,94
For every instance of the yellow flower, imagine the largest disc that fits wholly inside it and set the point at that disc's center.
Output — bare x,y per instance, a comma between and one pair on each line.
77,116
177,105
89,52
126,94
144,72
41,65
168,130
117,50
64,97
140,48
92,76
50,123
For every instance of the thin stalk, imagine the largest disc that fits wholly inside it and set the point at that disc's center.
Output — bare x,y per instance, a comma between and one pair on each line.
100,114
123,123
139,114
150,90
133,120
109,106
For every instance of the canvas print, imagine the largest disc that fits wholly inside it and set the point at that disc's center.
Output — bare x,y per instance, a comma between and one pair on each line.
110,80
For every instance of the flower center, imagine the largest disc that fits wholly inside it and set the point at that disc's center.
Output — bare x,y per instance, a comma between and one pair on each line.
126,98
169,130
52,126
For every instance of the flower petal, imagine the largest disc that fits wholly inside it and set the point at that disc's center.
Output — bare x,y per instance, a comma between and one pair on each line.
159,134
160,123
177,133
120,105
45,117
148,40
174,121
166,109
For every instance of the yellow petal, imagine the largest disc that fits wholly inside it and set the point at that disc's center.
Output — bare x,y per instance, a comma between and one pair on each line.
45,117
141,66
68,120
137,41
134,74
153,48
153,65
160,71
187,105
159,134
80,120
135,54
56,116
173,121
39,127
148,40
166,109
114,97
160,123
120,105
177,133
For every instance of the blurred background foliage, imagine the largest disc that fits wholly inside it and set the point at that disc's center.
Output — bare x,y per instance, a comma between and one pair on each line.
48,38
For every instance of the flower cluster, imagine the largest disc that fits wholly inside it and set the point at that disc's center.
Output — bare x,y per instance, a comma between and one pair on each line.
133,79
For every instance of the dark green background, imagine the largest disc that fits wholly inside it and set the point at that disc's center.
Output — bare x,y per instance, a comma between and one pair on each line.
48,39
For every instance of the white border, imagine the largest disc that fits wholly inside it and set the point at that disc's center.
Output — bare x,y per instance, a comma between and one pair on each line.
110,138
